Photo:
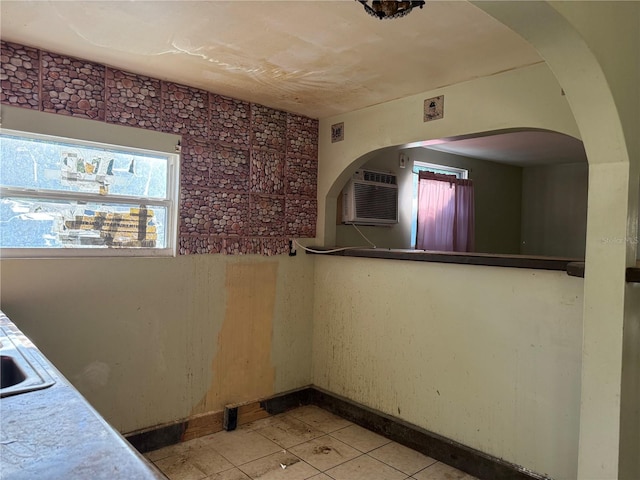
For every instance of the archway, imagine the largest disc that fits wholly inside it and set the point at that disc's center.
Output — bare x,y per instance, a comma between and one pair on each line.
592,53
593,50
530,192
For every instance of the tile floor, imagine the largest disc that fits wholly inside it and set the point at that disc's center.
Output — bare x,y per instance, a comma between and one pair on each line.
305,443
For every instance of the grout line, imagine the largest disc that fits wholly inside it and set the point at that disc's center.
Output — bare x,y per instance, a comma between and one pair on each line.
287,450
268,455
341,463
397,469
288,414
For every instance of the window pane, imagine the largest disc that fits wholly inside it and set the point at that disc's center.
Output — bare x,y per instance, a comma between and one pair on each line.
33,223
46,164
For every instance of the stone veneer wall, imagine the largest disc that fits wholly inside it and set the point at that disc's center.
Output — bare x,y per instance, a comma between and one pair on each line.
248,172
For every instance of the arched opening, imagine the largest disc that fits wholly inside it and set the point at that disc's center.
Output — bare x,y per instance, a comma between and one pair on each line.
592,48
591,53
530,191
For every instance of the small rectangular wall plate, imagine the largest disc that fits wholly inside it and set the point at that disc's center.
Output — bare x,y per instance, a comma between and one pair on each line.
433,108
337,132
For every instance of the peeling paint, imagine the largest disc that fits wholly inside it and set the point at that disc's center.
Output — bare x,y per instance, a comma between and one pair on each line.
242,368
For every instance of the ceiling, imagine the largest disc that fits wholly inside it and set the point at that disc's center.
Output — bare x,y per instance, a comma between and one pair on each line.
315,58
522,149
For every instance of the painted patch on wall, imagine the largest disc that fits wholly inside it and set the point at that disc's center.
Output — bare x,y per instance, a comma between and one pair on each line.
242,368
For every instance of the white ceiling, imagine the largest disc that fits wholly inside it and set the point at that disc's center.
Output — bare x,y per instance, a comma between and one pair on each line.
522,149
315,58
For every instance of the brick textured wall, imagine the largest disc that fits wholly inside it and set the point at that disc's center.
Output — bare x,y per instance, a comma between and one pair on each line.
248,172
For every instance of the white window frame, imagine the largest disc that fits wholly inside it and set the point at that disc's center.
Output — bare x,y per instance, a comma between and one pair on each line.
170,202
431,167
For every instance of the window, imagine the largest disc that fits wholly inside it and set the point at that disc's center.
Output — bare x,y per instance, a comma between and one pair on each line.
73,197
433,168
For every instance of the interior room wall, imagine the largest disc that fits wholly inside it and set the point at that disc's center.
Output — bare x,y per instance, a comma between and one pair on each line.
390,333
505,101
629,429
383,236
489,357
497,189
554,210
153,340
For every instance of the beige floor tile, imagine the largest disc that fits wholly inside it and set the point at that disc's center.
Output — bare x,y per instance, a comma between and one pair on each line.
182,448
287,432
360,438
402,458
279,466
365,468
232,474
298,440
319,419
325,452
440,471
242,446
155,455
208,460
178,467
262,423
165,452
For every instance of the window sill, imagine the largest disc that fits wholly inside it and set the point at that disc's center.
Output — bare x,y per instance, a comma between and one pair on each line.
103,252
486,259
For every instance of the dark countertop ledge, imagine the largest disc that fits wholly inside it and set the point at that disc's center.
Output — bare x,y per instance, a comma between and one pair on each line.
576,269
487,259
55,433
573,266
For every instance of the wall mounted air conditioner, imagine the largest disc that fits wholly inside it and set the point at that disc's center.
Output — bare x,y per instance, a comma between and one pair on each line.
370,198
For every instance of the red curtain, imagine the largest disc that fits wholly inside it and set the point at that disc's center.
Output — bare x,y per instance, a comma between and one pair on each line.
445,213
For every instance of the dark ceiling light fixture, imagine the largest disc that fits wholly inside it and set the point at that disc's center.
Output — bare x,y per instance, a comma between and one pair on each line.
383,9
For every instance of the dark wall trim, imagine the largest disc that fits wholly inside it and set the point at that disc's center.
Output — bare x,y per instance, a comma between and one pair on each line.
633,275
576,269
487,259
169,434
435,446
157,437
288,400
464,458
573,267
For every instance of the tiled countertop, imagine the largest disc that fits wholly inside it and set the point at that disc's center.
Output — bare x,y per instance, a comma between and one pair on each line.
55,433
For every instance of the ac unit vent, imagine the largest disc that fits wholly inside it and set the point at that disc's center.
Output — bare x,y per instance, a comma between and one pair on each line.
379,177
370,202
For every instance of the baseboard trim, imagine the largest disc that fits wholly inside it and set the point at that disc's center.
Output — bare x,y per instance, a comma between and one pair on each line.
164,435
156,437
460,456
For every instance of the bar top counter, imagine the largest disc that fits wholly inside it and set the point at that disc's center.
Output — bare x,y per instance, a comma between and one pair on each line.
48,430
